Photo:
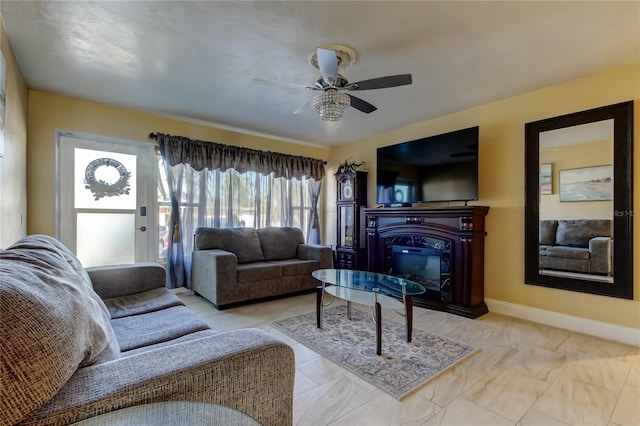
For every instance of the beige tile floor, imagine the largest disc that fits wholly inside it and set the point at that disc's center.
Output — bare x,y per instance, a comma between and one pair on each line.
524,374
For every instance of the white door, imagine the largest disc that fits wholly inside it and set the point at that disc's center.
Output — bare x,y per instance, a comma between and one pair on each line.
107,213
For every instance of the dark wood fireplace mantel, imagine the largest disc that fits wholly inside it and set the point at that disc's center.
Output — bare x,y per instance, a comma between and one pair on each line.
461,229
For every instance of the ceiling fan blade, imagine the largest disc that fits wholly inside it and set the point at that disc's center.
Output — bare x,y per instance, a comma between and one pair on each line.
283,84
382,82
361,105
328,65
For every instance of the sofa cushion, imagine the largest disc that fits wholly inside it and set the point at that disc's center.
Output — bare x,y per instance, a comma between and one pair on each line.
141,303
156,327
50,276
568,252
298,267
186,338
280,243
577,233
54,247
548,230
125,279
258,271
243,242
45,250
50,327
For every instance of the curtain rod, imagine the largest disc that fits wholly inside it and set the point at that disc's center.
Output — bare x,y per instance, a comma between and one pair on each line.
155,138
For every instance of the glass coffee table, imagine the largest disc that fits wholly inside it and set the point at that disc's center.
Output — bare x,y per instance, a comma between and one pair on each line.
371,289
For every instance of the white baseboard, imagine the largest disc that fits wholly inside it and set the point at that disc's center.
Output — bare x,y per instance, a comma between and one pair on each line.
619,333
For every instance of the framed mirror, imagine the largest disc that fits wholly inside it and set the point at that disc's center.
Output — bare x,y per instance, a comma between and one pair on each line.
579,201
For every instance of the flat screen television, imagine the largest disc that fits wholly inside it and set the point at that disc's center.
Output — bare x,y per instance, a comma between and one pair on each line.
436,168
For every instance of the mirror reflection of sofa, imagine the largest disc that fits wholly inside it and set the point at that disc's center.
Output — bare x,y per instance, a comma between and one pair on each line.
583,245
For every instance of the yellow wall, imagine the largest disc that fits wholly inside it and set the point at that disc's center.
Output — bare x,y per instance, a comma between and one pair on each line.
574,157
49,112
13,166
501,184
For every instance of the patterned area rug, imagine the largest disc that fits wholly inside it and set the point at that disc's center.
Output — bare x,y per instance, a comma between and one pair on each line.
400,369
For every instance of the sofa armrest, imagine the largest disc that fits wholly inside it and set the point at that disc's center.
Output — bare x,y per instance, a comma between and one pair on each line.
123,280
214,271
600,254
248,370
323,254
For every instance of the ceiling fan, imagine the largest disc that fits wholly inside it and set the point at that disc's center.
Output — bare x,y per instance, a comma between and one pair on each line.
332,101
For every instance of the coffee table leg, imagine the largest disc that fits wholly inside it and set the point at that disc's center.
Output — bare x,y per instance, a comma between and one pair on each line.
378,328
319,293
408,315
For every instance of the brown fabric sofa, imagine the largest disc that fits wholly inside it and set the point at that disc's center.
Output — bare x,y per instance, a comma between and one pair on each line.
576,245
232,265
77,343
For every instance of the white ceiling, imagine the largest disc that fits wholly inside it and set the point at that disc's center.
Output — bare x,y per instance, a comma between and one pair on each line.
197,60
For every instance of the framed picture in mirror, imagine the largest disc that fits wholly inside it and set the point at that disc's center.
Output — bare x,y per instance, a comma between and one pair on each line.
587,184
546,179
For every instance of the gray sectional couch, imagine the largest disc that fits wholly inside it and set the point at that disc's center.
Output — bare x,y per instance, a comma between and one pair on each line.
576,245
77,343
233,265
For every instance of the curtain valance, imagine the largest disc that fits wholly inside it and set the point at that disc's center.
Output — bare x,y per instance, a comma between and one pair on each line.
214,156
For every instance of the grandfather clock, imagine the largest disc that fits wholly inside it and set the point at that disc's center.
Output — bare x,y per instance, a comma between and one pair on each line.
351,249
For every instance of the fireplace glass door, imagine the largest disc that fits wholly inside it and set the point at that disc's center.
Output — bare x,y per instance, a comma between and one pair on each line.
422,259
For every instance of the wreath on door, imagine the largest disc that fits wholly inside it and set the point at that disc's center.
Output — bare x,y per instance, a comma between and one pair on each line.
100,188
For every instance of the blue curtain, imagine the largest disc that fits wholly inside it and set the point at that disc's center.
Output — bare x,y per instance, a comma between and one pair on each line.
313,234
177,271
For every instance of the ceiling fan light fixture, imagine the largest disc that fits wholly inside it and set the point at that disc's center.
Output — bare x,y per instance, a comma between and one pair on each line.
331,104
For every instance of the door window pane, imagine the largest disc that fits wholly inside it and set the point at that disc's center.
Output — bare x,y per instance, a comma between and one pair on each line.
113,174
105,238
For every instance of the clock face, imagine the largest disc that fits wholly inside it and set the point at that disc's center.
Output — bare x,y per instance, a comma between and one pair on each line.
347,191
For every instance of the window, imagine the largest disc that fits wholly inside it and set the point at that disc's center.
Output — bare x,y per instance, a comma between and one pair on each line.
230,199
